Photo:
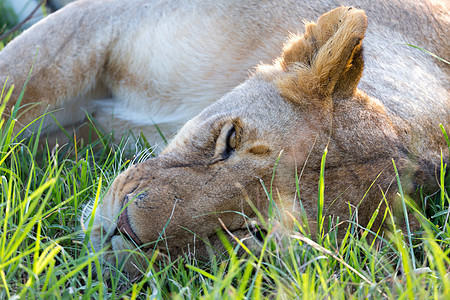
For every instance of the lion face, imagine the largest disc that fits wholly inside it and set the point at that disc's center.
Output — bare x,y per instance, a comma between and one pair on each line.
285,115
217,160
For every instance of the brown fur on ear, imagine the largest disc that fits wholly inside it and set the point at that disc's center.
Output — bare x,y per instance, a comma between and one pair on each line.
326,61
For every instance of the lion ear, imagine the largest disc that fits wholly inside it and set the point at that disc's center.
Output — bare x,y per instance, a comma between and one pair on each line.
326,61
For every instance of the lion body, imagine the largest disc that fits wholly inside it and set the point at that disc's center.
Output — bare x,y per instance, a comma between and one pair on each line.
170,60
134,65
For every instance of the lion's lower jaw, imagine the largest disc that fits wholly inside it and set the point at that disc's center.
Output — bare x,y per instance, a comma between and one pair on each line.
120,255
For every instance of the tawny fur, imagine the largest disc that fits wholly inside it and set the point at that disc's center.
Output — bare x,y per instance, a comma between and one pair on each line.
345,83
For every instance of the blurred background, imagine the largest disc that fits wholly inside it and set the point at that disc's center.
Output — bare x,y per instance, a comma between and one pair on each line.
18,15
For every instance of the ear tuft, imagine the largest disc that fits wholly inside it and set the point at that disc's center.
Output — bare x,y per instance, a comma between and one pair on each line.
326,61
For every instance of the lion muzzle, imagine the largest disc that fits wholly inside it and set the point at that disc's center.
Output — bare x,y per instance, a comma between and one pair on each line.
123,224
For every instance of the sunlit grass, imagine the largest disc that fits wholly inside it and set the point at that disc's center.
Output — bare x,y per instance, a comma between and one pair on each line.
43,254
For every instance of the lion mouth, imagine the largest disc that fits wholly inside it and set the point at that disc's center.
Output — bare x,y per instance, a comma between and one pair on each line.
123,224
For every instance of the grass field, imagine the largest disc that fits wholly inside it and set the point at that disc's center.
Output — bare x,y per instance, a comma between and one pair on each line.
43,254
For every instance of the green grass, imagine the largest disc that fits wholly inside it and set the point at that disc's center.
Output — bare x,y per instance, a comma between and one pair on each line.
8,20
8,17
43,256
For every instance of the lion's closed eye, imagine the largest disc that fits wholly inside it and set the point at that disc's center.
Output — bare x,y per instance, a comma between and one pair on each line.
230,144
226,143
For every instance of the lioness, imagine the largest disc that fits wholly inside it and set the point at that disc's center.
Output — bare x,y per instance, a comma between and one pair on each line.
162,61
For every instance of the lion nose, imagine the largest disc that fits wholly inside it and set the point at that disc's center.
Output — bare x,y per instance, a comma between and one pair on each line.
123,224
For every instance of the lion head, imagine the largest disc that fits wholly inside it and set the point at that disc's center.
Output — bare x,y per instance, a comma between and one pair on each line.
259,136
